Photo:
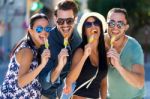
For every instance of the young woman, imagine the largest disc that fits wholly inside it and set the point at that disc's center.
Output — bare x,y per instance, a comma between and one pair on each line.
89,66
21,78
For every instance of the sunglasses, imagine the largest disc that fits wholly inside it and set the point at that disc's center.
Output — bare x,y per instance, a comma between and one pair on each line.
68,21
39,29
119,24
89,24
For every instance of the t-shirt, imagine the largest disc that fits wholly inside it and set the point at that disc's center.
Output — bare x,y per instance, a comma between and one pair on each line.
118,88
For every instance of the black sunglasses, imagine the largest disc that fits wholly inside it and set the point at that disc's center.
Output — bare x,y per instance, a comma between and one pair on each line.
119,24
68,21
39,29
89,24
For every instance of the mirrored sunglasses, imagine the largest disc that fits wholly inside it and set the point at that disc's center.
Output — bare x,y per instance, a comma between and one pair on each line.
39,29
89,24
119,24
68,21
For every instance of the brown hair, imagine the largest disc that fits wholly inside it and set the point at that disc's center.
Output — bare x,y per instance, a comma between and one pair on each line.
66,5
118,10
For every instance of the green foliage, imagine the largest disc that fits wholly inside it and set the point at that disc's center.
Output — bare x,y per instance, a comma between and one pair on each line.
36,6
138,10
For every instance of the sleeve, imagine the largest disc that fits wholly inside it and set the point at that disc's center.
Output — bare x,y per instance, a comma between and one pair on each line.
138,56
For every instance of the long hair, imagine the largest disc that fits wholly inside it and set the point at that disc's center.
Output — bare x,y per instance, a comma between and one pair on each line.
28,39
103,66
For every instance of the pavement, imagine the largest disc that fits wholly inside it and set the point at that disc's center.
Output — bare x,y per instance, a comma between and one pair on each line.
3,69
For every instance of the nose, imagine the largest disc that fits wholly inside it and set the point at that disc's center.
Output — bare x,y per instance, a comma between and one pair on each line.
115,27
93,25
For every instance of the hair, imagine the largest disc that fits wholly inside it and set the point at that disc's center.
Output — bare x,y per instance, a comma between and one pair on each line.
103,67
28,38
66,5
36,17
118,10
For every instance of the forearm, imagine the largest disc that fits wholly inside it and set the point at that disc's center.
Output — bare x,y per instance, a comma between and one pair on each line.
133,78
28,77
55,73
75,72
103,88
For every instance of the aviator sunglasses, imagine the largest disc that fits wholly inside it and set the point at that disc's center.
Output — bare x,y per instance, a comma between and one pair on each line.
89,24
119,24
39,29
68,21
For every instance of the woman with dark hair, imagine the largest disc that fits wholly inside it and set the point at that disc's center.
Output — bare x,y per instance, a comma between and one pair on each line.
21,80
89,66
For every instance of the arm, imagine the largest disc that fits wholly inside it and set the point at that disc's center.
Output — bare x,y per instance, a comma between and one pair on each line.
76,67
134,77
70,79
103,88
62,60
24,58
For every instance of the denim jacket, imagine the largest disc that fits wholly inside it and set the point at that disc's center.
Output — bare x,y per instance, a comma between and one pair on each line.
55,40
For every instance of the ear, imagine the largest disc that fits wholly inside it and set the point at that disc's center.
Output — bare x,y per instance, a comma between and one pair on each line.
75,20
55,19
127,27
30,30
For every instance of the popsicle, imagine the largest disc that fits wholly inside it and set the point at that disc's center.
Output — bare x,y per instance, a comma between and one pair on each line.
46,44
112,41
66,42
91,39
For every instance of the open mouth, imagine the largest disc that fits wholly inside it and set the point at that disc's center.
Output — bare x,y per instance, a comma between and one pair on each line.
66,29
94,31
41,38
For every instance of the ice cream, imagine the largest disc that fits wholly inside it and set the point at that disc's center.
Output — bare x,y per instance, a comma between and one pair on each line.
66,42
112,41
46,44
91,39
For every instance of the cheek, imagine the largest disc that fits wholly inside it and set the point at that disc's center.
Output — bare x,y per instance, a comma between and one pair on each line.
46,35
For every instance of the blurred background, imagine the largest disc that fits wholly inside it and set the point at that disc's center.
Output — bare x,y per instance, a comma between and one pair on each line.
14,17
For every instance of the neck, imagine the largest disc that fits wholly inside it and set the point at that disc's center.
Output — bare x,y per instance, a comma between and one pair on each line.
119,44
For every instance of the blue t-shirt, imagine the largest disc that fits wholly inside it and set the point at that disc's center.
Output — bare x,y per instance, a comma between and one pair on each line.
118,88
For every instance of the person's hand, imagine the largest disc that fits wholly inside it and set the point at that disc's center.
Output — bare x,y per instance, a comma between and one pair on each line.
67,89
45,57
114,57
62,57
87,50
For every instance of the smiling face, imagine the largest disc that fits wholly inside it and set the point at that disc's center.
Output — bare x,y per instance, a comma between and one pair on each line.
39,37
65,21
92,28
117,25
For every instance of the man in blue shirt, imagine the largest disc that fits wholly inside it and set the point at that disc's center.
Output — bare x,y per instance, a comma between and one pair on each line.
52,76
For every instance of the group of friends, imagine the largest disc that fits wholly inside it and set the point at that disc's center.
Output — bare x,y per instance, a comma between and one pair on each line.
97,56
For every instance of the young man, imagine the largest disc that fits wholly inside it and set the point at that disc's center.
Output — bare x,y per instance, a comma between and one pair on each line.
126,71
53,75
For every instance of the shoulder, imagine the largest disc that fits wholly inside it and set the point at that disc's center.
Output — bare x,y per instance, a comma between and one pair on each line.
75,39
79,52
24,54
133,42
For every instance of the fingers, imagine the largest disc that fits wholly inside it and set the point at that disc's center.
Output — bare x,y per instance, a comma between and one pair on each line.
87,49
46,53
63,53
113,53
66,90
